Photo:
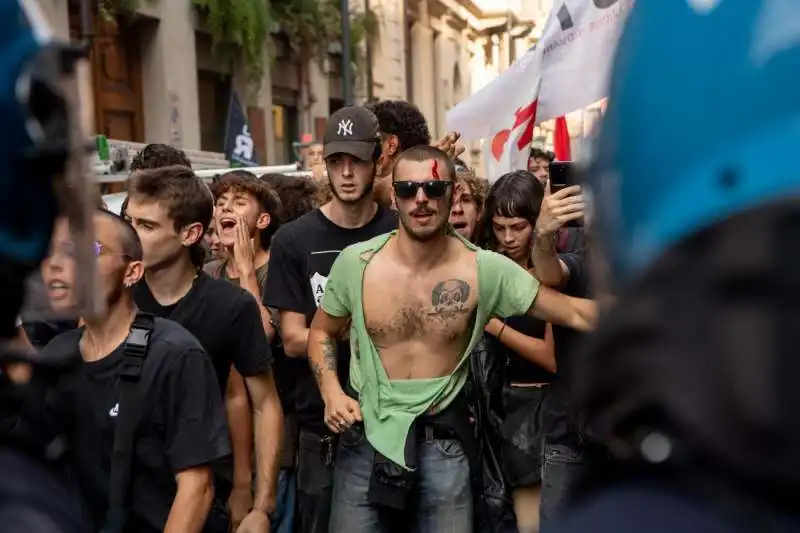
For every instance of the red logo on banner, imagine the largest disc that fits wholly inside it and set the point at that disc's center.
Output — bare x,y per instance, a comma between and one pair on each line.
523,115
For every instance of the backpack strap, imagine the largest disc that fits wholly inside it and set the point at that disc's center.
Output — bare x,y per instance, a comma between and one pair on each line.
134,353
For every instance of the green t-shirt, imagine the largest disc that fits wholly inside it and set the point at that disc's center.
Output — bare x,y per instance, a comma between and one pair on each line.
389,407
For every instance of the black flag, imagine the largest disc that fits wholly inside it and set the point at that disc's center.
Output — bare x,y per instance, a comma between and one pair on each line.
240,149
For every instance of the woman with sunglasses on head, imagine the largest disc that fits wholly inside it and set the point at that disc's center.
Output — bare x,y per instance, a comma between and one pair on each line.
525,342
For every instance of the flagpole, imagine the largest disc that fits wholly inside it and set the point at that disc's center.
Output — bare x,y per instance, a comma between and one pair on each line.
347,67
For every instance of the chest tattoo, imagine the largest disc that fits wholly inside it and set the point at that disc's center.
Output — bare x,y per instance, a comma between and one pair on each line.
449,303
449,298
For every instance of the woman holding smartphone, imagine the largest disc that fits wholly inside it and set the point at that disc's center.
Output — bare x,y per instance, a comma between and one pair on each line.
509,216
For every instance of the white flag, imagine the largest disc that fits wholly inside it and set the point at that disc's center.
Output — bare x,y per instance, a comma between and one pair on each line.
566,71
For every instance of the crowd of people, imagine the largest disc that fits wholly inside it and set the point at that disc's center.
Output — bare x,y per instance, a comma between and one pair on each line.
286,385
397,345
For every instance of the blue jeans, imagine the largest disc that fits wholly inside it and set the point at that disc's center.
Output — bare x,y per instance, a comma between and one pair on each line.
283,517
442,500
314,485
561,469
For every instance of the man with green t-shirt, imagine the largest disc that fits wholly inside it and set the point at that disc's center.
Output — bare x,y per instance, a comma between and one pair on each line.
418,300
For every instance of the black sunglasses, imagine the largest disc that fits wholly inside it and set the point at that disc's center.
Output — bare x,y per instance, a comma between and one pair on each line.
433,189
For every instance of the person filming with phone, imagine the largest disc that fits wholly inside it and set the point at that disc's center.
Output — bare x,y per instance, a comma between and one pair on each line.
562,211
564,204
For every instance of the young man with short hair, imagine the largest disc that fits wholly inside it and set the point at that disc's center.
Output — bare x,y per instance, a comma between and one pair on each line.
539,164
156,155
418,299
181,430
246,215
171,208
301,256
248,212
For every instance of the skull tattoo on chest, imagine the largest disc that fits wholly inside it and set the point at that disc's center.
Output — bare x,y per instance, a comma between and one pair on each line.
449,298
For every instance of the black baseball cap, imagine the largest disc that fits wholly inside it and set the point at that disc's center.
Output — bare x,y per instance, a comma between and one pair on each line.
352,130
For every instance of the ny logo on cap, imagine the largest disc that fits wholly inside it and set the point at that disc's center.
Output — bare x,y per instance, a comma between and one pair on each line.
345,127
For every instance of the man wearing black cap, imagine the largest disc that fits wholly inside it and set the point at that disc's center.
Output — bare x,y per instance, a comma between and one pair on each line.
301,257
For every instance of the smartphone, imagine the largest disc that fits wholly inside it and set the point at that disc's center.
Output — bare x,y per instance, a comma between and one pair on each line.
562,175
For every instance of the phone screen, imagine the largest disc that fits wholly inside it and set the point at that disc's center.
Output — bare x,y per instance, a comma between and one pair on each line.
561,175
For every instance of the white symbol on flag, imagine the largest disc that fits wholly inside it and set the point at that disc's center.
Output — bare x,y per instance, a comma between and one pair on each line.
345,127
114,411
244,145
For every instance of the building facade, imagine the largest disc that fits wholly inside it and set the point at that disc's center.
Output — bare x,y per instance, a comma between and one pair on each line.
155,78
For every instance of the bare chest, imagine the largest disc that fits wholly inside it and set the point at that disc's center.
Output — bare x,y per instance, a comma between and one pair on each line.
435,309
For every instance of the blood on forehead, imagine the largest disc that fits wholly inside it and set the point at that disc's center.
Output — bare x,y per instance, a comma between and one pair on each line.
435,169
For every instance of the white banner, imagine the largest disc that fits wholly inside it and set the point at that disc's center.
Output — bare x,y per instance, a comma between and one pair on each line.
566,71
578,44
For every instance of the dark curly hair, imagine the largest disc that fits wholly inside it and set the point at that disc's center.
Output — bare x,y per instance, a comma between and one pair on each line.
296,194
538,153
242,181
516,194
157,156
403,119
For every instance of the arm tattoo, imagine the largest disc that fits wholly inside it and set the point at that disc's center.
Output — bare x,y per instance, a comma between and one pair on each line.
329,354
329,358
449,298
317,370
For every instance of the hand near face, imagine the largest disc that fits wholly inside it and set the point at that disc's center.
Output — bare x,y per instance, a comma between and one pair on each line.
243,253
449,144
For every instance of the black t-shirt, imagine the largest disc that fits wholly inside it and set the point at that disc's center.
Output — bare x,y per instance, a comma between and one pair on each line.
519,369
41,332
301,256
182,423
283,368
559,421
225,319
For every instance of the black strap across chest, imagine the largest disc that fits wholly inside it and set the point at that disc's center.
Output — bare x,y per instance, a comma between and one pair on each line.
134,353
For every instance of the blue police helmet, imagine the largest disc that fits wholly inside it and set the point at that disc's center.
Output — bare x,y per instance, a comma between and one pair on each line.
27,200
703,121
